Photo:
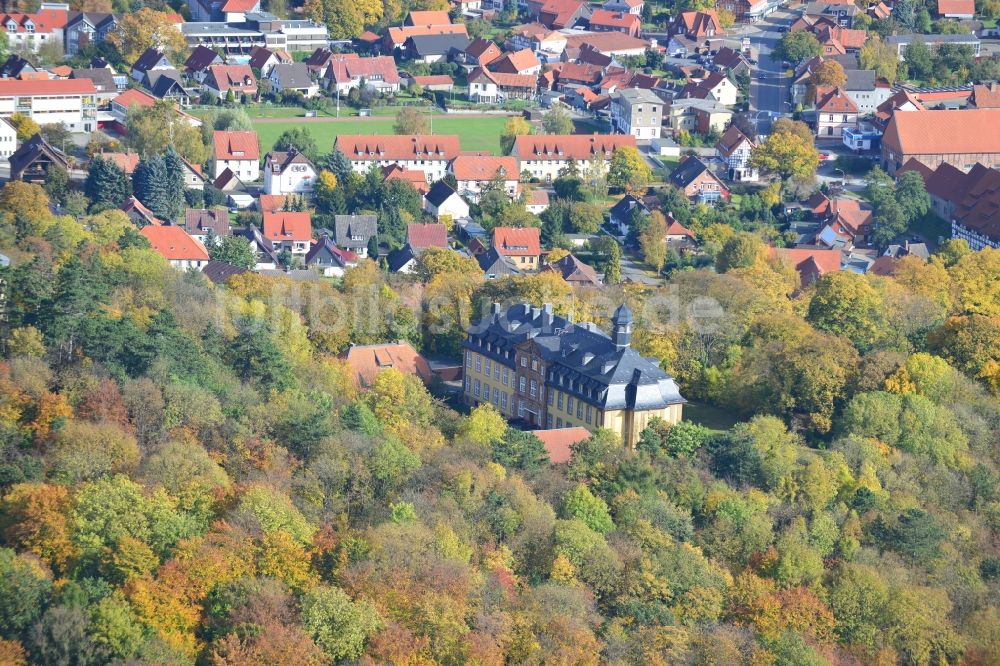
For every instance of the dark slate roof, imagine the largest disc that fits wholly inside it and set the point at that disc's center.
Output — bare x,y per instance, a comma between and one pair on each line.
346,226
102,77
687,171
253,234
96,19
439,193
14,66
495,264
626,206
218,271
200,58
199,220
399,258
166,82
860,79
33,149
425,45
582,360
327,246
148,60
295,75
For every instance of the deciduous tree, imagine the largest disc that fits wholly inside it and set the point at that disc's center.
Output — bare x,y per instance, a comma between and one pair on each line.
146,29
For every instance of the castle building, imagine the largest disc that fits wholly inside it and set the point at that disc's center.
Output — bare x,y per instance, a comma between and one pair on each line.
550,372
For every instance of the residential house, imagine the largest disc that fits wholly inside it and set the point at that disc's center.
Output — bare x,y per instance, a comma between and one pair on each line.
206,225
133,97
627,6
473,172
523,247
415,178
847,224
540,39
559,14
575,272
733,62
355,232
947,185
219,272
839,41
902,42
835,13
431,18
961,138
481,52
691,31
716,87
435,48
293,76
328,259
263,59
16,67
962,10
693,177
167,84
31,162
865,90
71,102
835,112
396,38
288,232
624,212
544,156
104,83
31,31
985,96
677,234
734,148
605,43
138,214
367,361
545,370
320,59
603,20
175,245
442,202
267,258
434,82
288,172
427,153
239,152
495,265
201,58
750,11
518,62
378,73
571,75
976,218
637,112
150,60
236,11
8,138
697,115
536,200
419,236
810,263
221,80
84,28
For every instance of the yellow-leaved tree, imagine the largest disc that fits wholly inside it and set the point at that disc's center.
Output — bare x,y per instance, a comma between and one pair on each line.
145,29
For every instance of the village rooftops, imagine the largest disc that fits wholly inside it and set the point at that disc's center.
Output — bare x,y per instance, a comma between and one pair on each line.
570,146
399,148
236,145
944,132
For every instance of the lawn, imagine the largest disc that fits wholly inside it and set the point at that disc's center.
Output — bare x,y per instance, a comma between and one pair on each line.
713,418
475,133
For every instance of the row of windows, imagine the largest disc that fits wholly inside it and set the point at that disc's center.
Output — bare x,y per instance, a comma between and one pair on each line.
484,391
497,368
582,411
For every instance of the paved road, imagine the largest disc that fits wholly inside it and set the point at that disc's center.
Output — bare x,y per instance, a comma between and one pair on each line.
771,92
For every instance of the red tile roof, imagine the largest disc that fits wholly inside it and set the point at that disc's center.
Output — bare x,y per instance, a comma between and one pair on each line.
127,162
979,209
16,87
810,263
961,7
483,168
367,361
287,226
44,20
986,96
236,146
416,178
698,24
517,62
272,202
577,146
428,18
511,242
559,442
420,236
834,100
675,228
173,243
602,17
944,132
483,50
239,5
504,80
134,97
403,147
399,35
235,77
434,80
346,69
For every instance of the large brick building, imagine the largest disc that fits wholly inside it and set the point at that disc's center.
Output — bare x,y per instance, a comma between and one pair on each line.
960,137
548,371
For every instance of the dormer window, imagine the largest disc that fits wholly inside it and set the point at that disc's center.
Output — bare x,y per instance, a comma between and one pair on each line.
237,153
11,26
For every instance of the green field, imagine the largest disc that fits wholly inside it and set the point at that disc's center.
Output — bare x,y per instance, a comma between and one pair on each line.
476,133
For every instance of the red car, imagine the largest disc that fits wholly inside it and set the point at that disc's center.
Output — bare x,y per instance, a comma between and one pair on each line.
824,156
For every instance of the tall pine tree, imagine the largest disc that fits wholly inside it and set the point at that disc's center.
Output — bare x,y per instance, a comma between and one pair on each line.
107,185
150,184
174,186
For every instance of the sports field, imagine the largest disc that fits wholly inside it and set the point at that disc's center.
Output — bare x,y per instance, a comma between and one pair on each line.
475,132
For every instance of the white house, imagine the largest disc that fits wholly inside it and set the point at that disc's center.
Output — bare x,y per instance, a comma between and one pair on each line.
472,172
545,155
444,202
638,112
175,245
238,152
625,6
378,73
31,31
288,173
287,231
734,148
417,152
72,102
8,139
